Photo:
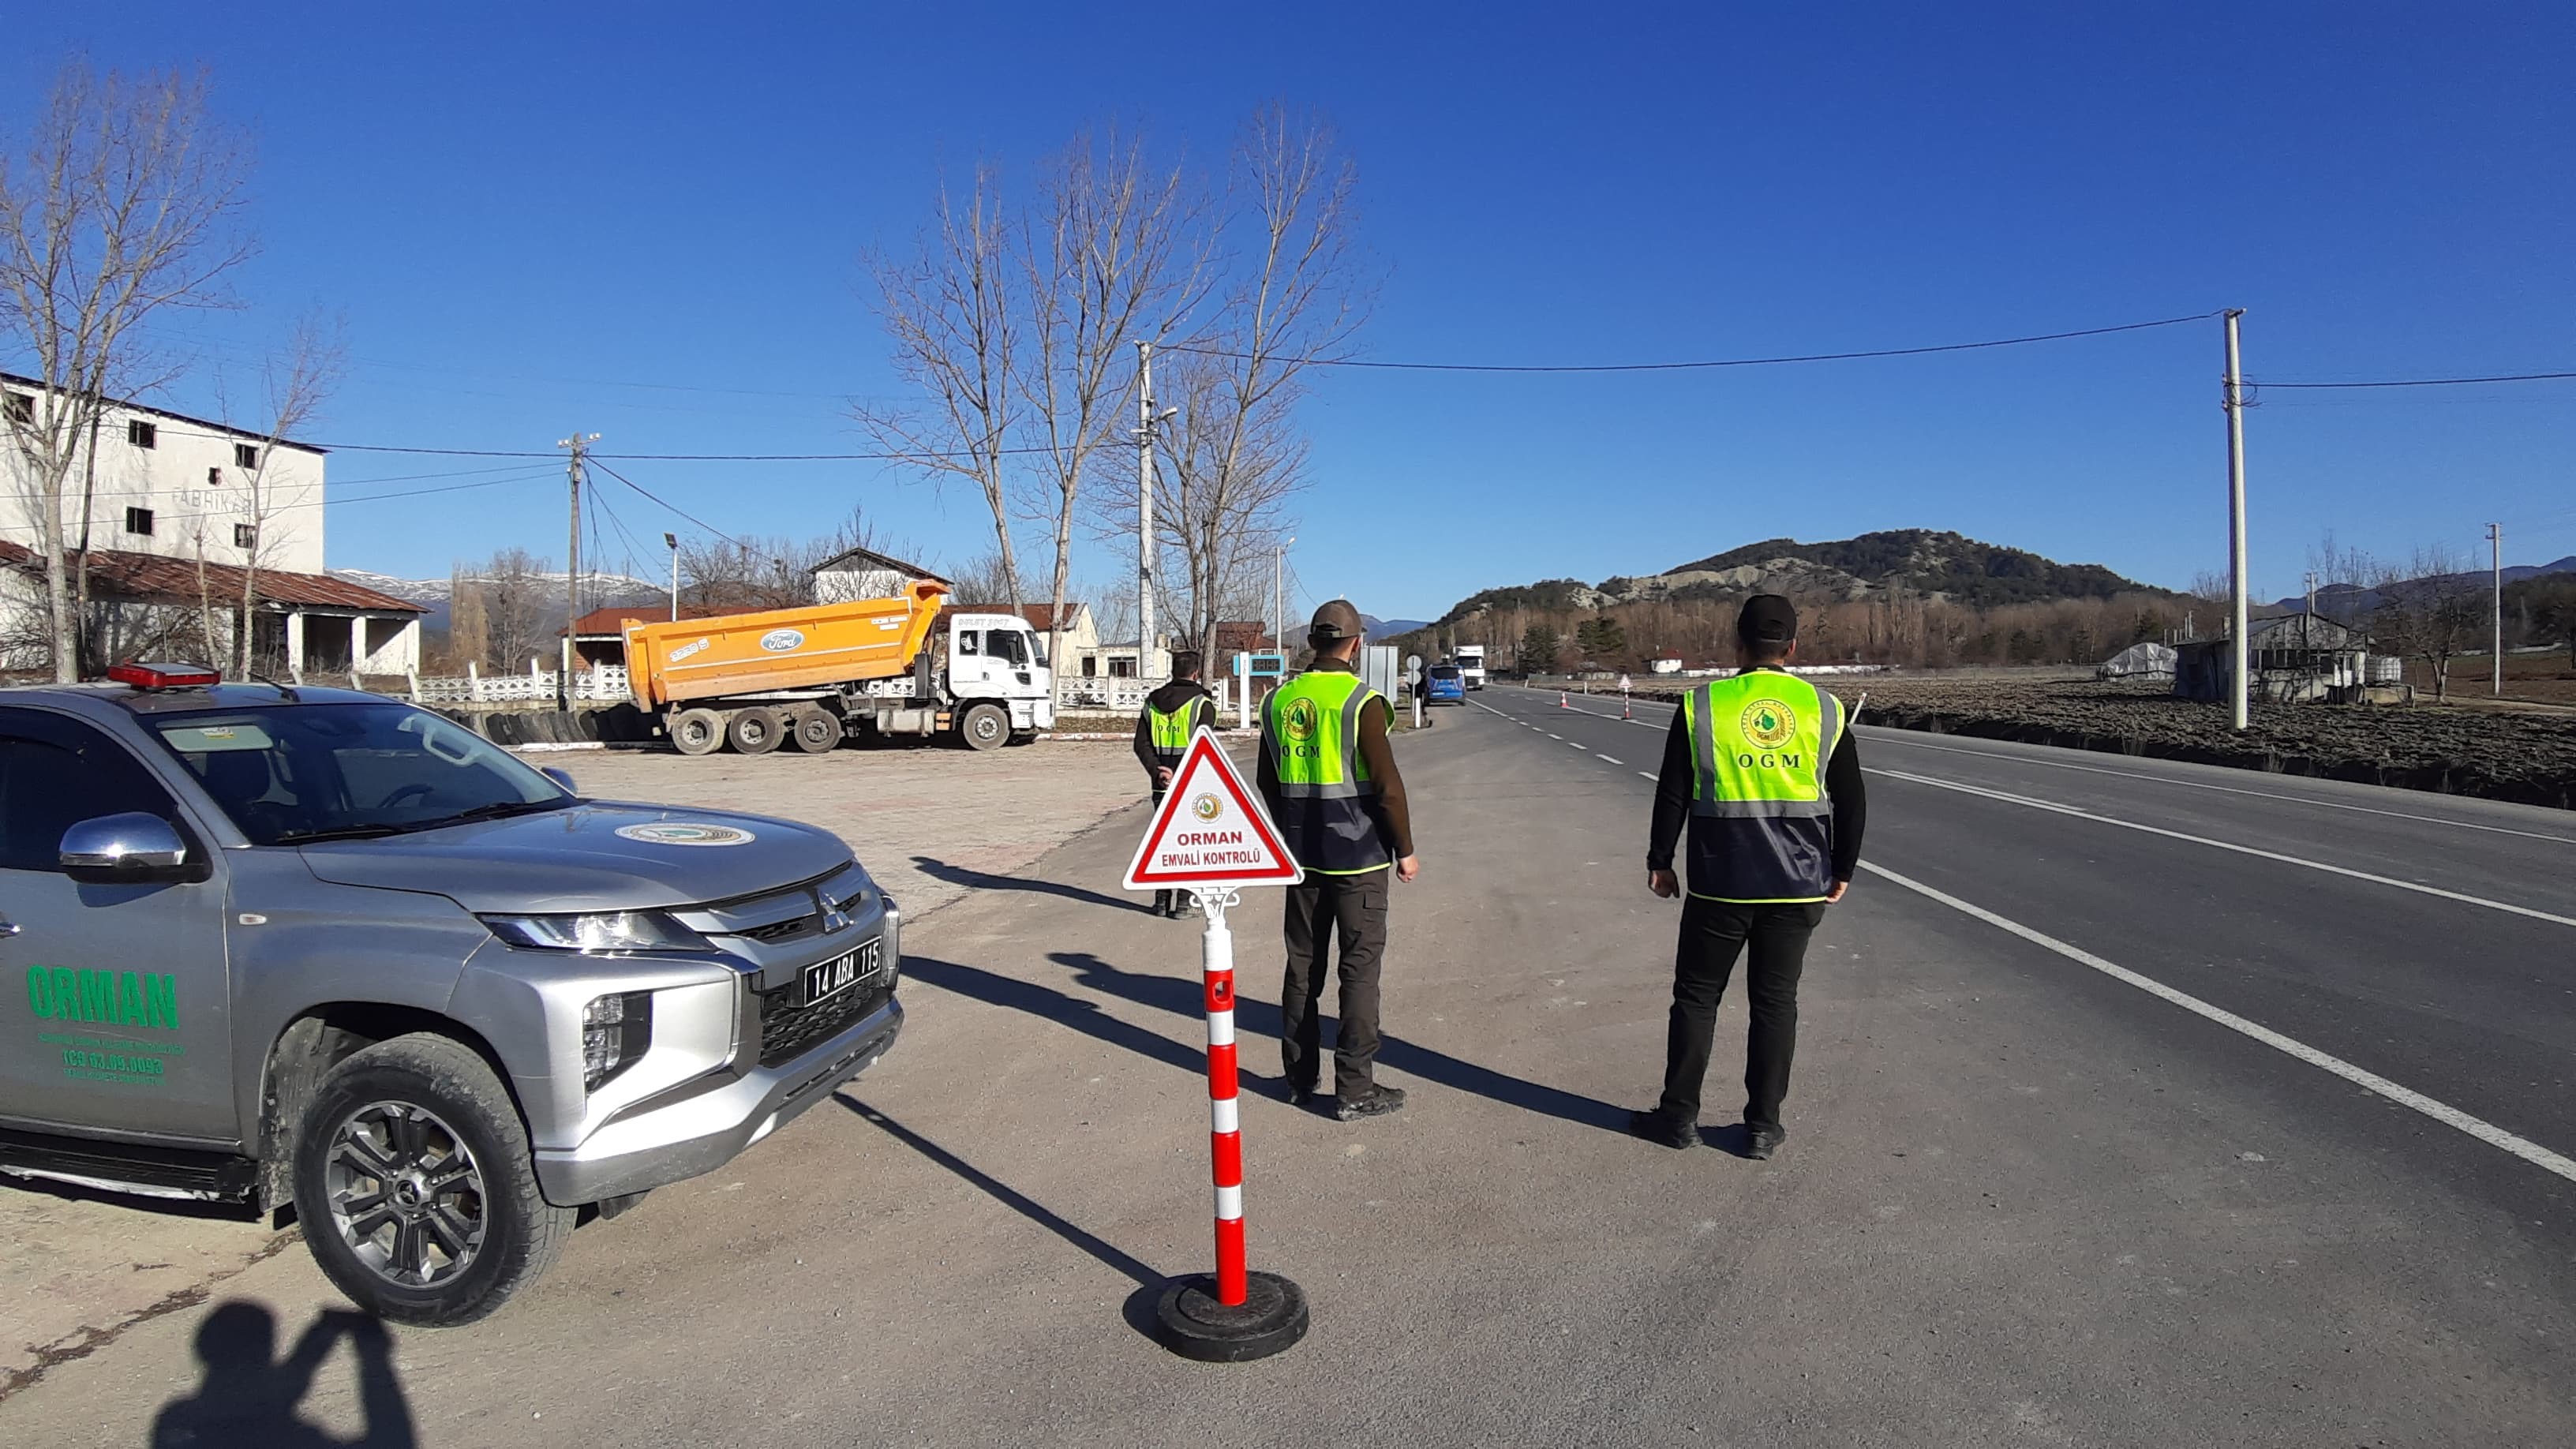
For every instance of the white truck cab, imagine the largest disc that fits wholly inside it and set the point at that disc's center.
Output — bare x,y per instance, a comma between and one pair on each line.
1000,659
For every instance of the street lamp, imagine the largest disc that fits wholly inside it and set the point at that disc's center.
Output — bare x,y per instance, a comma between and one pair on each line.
673,541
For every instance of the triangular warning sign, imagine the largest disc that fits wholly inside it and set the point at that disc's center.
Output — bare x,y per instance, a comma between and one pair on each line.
1211,832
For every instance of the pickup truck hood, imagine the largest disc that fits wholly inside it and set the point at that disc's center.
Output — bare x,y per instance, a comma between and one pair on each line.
595,856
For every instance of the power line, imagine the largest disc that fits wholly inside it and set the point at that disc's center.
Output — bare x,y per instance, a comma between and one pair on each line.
1724,362
2429,381
634,457
525,477
673,507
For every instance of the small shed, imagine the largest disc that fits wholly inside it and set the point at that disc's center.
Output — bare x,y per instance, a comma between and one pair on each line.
2294,658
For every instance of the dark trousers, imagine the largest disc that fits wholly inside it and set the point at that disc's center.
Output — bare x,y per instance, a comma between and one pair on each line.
1321,907
1164,901
1713,934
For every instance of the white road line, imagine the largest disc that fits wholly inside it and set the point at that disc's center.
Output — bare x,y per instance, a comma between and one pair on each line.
1599,756
2049,805
1895,737
1645,774
1551,734
2442,1112
1578,744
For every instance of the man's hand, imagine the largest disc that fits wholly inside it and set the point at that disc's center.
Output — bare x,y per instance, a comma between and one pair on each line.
1162,777
1662,883
1836,893
1409,867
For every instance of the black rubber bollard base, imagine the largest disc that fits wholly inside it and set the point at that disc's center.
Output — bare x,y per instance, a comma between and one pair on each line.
1191,1323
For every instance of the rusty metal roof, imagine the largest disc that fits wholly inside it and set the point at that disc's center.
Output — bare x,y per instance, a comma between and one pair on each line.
158,578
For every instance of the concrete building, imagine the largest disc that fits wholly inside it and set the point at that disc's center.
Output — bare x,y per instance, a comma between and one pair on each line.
181,513
864,573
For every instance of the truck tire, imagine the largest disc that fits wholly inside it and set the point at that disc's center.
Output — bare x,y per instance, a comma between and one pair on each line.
984,727
813,729
697,731
415,1188
756,731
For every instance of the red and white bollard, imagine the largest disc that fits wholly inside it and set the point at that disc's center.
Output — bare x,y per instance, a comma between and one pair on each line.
1238,1314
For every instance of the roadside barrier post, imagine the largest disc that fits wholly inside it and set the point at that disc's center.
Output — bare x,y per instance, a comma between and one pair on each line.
1212,837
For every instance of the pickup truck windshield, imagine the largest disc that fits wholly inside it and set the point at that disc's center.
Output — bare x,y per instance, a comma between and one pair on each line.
341,771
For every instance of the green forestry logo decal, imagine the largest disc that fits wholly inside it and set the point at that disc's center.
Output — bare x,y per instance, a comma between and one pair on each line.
1768,723
685,832
1206,807
1299,726
119,1002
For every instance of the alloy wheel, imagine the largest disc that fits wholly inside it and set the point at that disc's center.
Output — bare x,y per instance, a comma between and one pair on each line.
406,1195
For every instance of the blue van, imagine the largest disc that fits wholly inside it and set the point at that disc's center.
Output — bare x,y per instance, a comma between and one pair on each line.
1444,684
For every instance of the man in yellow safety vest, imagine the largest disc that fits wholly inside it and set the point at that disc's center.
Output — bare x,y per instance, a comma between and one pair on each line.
1763,769
1329,780
1173,715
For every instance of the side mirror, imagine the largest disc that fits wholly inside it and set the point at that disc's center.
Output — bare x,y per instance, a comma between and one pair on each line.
130,847
561,777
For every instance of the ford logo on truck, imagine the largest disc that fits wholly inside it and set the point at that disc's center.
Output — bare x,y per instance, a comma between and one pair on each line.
779,641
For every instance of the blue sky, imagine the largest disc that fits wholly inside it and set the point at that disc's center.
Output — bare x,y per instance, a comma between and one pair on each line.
525,216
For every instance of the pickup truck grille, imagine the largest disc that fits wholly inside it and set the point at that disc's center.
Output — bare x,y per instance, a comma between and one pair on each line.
788,1031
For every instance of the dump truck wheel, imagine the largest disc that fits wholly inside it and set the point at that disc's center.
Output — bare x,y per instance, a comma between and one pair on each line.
984,727
697,731
813,729
756,731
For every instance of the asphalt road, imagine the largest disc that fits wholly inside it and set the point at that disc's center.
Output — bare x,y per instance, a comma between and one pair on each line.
2103,1133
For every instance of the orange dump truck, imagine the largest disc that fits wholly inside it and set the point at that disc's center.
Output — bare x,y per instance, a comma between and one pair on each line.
814,676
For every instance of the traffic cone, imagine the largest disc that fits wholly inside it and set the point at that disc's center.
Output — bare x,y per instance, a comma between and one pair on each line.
1560,700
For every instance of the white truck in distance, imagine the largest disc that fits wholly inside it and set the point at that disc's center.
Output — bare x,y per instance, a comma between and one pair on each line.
1470,659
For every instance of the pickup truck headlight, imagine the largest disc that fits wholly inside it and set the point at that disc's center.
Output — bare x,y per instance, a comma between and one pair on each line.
606,932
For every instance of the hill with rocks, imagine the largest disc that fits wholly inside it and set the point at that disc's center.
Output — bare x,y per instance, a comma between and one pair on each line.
1897,563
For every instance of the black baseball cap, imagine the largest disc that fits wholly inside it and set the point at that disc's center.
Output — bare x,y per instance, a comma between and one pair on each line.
1336,620
1767,619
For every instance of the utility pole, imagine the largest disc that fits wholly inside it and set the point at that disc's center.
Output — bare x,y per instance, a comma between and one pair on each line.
578,443
1144,510
2495,546
672,540
2235,406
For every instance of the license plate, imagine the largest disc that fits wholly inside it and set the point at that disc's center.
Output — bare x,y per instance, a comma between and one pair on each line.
843,972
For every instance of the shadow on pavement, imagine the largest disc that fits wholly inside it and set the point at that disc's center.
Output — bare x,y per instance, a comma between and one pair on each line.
1139,1307
981,880
245,1398
1181,996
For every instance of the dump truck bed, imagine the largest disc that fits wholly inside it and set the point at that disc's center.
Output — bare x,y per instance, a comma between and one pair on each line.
809,648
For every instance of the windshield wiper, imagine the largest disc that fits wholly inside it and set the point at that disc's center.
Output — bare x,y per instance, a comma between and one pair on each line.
495,810
337,832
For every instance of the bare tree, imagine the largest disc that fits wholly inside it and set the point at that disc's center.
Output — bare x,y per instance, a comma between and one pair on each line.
1293,296
951,310
1113,254
2430,608
767,573
121,206
295,383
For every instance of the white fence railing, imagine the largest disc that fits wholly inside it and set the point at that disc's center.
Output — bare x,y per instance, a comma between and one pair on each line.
600,684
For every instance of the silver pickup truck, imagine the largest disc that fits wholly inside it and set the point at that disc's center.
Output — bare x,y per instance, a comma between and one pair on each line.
317,948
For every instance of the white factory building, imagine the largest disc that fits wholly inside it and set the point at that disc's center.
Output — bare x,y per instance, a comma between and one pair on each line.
182,513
